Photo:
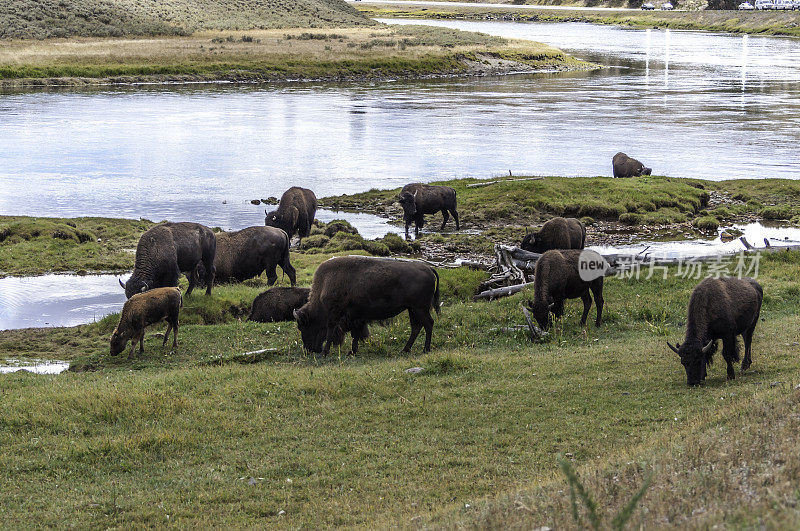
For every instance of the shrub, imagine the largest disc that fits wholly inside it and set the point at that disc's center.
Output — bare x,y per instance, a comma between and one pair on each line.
588,221
708,223
776,212
630,218
314,241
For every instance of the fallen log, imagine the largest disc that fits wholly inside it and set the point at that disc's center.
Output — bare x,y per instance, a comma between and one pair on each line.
487,183
502,292
536,332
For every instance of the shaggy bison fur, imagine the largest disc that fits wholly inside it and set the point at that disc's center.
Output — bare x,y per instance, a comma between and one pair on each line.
624,166
557,278
295,213
418,199
168,249
557,233
249,252
143,310
349,292
278,304
719,308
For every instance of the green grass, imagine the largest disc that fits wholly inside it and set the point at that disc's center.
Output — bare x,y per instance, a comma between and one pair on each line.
202,437
40,19
758,23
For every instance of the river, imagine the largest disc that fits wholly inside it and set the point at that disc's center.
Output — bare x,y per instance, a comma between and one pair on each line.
686,103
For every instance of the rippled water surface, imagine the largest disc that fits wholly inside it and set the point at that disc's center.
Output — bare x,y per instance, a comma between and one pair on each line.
686,103
58,300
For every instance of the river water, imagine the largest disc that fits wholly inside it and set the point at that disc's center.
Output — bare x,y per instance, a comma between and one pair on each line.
685,103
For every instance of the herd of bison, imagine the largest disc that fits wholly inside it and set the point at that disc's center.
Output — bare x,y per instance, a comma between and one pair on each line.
349,292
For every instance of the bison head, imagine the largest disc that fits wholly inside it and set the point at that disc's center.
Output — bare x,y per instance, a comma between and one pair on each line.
409,203
541,312
694,357
646,171
532,242
134,285
118,342
284,220
312,328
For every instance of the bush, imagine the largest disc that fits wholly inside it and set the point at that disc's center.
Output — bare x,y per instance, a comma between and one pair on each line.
339,225
776,212
314,241
707,223
588,221
630,218
396,244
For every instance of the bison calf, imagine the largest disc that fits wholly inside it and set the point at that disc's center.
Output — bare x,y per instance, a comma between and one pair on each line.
625,166
556,279
557,233
278,304
419,199
143,310
719,308
349,292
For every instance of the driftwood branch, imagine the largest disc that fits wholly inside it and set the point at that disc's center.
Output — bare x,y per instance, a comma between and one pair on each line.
502,292
487,183
536,332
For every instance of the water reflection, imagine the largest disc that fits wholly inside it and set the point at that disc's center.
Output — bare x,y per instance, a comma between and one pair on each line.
34,366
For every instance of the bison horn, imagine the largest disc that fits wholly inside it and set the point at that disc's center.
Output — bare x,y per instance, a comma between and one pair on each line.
415,193
296,315
265,212
673,348
707,348
121,284
551,306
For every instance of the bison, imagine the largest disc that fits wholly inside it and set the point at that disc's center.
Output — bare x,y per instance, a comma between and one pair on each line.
719,308
557,233
168,249
278,304
557,278
349,292
418,199
624,166
295,213
143,310
247,253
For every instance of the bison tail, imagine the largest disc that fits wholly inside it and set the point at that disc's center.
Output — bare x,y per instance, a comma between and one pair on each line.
436,304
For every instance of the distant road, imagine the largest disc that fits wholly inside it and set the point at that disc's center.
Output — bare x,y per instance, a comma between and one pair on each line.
500,6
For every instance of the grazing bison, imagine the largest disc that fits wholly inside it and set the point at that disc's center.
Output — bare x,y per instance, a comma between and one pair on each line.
247,253
143,310
295,213
349,292
278,304
719,308
624,166
168,249
557,278
419,199
557,233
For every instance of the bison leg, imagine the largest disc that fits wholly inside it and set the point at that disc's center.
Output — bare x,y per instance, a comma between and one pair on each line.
289,270
209,278
141,342
192,281
419,222
587,304
455,217
597,292
416,326
445,217
166,334
408,223
272,275
748,340
730,351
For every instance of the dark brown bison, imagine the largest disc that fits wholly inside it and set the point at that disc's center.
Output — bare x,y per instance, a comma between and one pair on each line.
719,308
624,166
418,199
143,310
249,252
168,249
278,304
557,233
557,278
295,213
349,292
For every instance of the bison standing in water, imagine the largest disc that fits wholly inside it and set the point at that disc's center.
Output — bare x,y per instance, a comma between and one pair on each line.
249,252
557,233
625,166
719,308
166,250
557,278
349,292
295,213
419,199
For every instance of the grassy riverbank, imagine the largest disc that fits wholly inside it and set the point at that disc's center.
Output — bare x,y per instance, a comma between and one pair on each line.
756,23
274,55
207,437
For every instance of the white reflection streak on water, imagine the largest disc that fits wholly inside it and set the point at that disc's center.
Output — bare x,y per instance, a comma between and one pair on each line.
744,62
667,35
648,44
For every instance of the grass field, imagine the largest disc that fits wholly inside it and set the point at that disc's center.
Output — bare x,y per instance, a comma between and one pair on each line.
756,23
207,437
344,53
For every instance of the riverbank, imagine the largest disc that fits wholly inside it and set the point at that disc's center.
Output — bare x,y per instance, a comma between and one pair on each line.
499,210
785,23
275,55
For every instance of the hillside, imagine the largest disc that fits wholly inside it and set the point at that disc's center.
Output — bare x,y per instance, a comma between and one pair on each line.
41,19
